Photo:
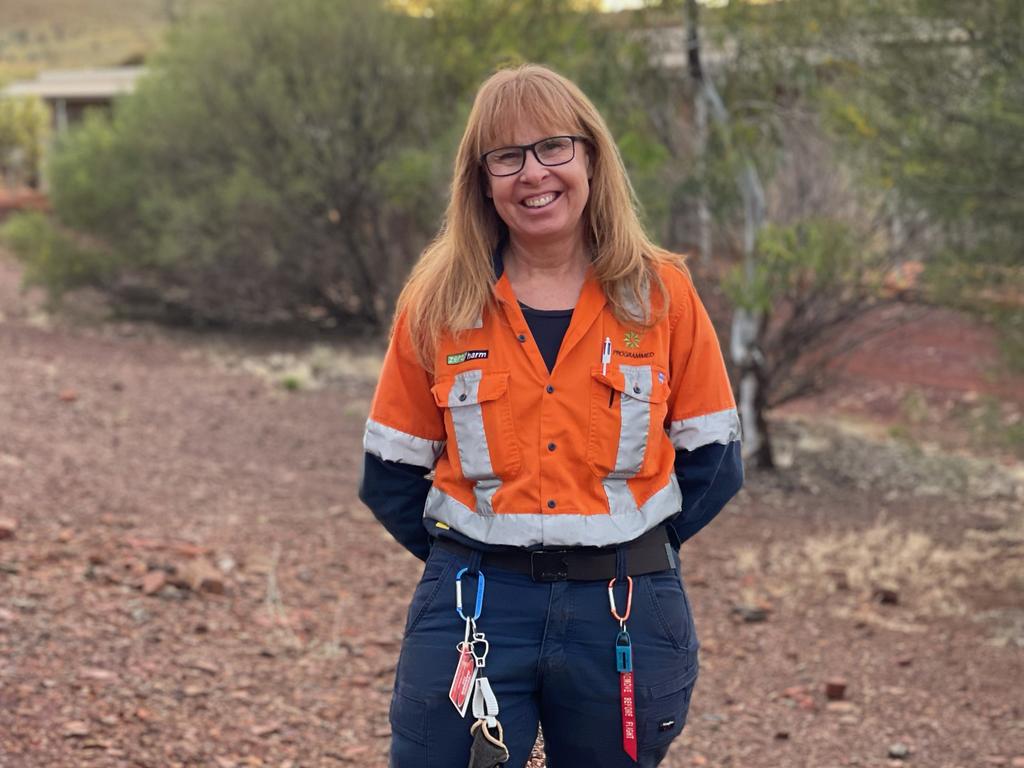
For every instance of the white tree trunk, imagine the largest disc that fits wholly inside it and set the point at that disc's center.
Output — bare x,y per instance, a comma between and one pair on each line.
747,325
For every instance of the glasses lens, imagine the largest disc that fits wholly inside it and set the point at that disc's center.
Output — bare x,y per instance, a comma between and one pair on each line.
555,151
504,161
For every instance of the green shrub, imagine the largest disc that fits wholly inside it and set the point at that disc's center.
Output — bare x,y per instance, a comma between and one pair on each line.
52,257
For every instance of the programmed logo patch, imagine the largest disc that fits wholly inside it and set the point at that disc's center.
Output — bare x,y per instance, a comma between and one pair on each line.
462,357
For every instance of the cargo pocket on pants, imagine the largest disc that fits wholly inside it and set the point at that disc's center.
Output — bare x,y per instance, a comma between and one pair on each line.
663,708
408,717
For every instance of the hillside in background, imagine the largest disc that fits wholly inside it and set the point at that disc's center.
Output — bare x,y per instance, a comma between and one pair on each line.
50,34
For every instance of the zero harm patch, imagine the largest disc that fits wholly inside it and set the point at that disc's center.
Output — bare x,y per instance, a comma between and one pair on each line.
462,357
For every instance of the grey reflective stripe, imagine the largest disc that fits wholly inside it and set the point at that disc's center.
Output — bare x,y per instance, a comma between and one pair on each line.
470,438
718,427
563,530
635,422
391,444
620,498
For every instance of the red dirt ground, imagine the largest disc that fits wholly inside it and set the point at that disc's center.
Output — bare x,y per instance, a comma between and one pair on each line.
192,582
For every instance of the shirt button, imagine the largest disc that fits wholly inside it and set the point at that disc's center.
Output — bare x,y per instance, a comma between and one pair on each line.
551,503
522,337
550,389
636,390
551,446
462,397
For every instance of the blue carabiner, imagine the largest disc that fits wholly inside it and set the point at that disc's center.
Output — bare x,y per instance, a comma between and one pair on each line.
479,595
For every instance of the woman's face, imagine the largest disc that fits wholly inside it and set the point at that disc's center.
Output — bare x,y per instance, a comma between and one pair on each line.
542,204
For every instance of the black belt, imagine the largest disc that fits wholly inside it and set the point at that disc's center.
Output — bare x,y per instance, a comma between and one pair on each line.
648,554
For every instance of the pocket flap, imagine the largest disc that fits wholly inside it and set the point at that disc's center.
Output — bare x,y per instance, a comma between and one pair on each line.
641,382
675,685
469,388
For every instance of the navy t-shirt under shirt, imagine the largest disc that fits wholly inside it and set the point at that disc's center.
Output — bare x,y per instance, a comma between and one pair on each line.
548,327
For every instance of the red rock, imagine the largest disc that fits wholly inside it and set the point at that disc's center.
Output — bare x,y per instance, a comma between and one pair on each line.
189,550
835,688
68,395
202,576
265,729
841,707
886,595
153,582
95,673
75,729
8,525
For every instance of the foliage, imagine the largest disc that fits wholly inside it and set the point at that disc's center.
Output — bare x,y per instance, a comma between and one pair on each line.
24,128
247,175
52,257
286,161
811,280
928,98
818,257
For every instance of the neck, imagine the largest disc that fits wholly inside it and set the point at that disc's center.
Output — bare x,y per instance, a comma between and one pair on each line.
548,260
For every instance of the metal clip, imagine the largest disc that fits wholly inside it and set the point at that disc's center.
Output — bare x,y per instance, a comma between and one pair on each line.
629,601
479,595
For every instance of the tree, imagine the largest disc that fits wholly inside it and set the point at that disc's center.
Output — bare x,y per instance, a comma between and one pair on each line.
936,113
290,160
24,129
818,266
252,175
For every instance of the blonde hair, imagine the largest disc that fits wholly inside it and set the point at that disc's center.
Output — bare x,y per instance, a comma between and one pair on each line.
452,282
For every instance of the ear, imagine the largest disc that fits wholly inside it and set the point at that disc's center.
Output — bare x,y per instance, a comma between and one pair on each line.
590,166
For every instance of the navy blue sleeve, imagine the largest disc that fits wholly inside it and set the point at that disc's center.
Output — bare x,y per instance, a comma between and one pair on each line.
708,476
396,493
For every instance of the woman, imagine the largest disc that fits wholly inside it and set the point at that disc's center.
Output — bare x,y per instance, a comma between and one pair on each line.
561,378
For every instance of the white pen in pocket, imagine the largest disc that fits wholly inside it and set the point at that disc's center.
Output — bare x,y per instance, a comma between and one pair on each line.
606,355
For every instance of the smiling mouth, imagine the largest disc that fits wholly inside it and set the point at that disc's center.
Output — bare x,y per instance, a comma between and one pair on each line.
541,201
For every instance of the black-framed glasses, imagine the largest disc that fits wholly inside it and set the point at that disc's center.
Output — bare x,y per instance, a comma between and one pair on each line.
554,150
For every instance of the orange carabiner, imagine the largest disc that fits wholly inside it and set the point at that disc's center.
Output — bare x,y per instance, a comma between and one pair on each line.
629,600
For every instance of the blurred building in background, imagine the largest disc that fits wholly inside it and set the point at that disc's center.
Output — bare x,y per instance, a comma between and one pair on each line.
68,93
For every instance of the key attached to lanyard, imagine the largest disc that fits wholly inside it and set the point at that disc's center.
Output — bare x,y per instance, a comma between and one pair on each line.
624,666
470,683
471,660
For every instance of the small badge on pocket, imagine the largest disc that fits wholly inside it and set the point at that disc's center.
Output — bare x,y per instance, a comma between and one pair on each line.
665,725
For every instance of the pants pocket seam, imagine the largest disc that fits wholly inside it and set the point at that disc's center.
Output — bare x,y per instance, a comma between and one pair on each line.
652,596
429,601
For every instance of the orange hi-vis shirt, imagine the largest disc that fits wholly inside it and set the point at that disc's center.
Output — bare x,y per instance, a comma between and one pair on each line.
581,456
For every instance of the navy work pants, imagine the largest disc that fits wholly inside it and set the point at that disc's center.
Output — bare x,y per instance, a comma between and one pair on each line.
551,660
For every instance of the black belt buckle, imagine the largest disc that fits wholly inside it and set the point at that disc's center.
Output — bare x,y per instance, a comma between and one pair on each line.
550,565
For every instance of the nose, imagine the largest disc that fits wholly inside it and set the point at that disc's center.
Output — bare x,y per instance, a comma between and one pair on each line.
533,170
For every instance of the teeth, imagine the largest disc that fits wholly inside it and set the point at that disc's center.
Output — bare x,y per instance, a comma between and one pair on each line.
539,202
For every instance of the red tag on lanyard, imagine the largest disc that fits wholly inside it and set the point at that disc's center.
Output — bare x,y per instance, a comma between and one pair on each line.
462,682
628,713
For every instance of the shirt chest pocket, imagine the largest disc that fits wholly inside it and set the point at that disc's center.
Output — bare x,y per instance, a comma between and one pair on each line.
628,406
478,420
